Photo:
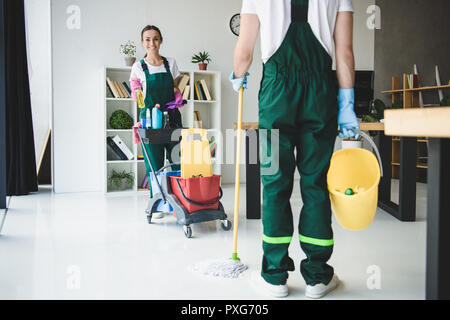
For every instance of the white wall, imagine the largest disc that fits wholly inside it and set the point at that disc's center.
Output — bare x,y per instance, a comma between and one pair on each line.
80,55
363,37
38,26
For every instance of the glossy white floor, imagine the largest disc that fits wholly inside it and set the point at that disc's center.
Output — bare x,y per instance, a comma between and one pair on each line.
88,246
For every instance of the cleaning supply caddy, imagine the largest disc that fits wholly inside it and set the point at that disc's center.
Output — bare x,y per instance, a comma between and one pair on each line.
194,198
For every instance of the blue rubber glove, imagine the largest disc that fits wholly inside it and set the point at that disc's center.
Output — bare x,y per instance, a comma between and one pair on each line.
346,117
239,82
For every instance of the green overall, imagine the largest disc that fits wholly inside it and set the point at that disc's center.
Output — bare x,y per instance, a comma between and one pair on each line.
160,90
298,97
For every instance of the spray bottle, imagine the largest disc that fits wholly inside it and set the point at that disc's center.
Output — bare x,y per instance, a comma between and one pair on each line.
166,123
148,120
140,98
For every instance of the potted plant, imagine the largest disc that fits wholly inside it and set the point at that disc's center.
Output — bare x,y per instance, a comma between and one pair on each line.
121,120
121,180
202,58
129,50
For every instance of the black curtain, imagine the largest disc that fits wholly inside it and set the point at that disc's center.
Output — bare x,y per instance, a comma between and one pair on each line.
2,113
21,177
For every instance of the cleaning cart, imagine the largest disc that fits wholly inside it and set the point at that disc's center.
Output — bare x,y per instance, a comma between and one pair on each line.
167,198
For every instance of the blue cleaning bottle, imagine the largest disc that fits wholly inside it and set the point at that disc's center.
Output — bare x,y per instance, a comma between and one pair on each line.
157,117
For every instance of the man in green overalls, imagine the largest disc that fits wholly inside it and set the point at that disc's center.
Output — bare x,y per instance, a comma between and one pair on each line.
298,103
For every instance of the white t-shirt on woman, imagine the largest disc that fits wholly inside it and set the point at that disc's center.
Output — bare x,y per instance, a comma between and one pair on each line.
138,73
275,19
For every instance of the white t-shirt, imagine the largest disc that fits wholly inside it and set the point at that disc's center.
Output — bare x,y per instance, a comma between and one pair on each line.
275,19
138,73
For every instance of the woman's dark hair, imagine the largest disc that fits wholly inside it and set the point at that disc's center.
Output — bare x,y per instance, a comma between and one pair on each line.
148,28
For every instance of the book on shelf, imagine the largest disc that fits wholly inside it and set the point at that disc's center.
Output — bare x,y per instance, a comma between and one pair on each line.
197,92
111,93
413,81
127,88
123,147
184,81
121,88
198,123
114,149
128,95
116,84
112,87
187,93
201,90
117,89
205,88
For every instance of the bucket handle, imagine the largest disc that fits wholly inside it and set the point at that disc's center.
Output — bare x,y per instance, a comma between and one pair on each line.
374,146
199,203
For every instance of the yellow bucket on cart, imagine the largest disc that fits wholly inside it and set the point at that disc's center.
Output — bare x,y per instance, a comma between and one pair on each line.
360,170
195,154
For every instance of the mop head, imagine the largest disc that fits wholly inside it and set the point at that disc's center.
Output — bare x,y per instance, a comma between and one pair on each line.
220,268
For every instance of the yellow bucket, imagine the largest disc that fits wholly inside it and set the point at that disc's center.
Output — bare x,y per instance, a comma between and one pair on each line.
357,169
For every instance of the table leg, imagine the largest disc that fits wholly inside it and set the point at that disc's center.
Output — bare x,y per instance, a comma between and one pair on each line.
407,183
253,175
384,189
406,209
438,220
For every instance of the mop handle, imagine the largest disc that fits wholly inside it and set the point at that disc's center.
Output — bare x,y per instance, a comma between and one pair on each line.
238,173
153,171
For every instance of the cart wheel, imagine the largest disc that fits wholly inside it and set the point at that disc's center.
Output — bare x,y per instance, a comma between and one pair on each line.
149,218
187,231
226,225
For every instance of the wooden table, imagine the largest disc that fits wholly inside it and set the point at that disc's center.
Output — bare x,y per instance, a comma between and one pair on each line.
435,124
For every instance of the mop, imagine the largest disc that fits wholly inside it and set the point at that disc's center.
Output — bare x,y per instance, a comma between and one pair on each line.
229,268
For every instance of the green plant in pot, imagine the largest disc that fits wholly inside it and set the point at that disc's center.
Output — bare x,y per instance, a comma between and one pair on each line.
121,120
121,180
129,50
376,113
202,58
445,102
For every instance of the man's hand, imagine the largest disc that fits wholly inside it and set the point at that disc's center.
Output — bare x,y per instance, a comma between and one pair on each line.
346,117
239,82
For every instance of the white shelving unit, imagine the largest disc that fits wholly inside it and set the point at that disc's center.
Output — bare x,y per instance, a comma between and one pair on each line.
210,112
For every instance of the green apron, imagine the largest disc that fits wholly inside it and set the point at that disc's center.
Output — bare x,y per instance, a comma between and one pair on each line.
298,97
160,90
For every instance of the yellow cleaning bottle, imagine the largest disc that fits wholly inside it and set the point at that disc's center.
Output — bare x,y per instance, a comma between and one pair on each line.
140,99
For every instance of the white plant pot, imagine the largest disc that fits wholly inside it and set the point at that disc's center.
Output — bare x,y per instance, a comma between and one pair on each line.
347,144
129,61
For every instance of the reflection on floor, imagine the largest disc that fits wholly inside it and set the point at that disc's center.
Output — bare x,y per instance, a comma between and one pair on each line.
88,246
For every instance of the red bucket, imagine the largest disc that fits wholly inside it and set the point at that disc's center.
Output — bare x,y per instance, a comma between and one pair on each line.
197,194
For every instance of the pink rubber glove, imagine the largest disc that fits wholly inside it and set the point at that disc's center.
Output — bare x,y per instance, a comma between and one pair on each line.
177,103
136,138
178,97
135,85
